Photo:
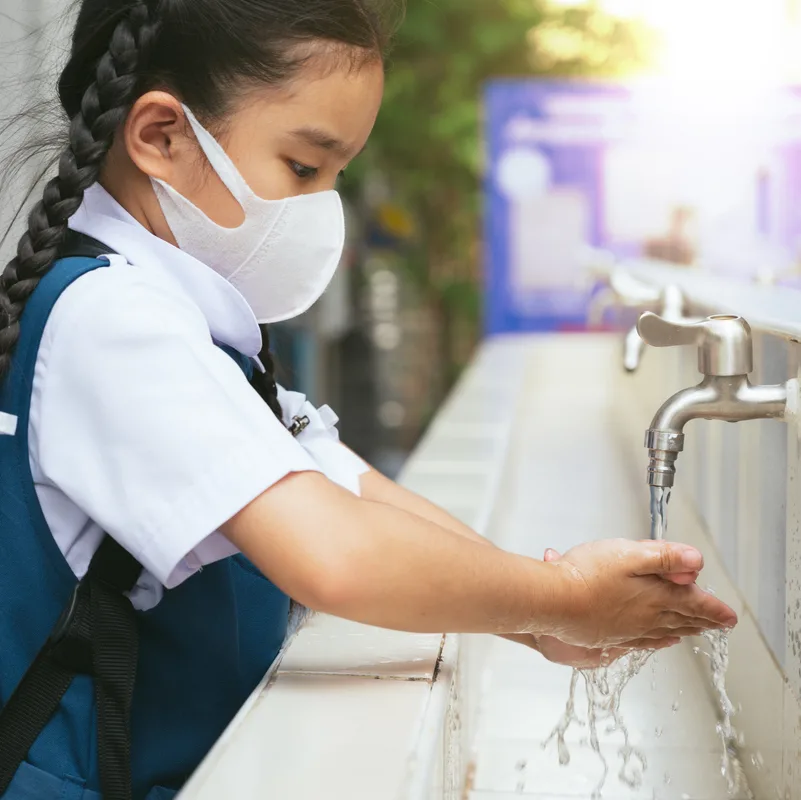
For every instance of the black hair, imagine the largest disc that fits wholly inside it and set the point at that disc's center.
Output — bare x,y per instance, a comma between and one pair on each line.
205,52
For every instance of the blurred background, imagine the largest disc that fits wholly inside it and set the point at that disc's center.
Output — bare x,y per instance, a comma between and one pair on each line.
519,139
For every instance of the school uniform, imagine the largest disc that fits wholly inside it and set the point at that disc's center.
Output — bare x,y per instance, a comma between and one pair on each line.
128,414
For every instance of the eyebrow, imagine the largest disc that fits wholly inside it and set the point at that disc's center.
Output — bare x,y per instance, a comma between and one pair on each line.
325,141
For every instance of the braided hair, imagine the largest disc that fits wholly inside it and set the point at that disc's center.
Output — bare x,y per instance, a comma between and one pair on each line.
103,108
203,51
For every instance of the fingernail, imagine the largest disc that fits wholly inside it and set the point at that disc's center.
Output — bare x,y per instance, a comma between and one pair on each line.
692,560
550,553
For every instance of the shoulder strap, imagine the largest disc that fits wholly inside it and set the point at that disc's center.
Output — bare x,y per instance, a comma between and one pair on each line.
81,244
97,632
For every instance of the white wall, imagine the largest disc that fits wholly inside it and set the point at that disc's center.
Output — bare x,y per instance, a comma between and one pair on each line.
33,45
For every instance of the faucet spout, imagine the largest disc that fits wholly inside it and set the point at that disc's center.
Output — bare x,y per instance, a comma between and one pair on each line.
727,398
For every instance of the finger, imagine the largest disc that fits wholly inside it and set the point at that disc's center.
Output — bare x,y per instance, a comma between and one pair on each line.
653,644
671,633
551,555
663,644
673,620
664,558
683,578
693,602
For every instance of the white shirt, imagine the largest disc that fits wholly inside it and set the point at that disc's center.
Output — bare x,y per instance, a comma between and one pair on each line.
141,427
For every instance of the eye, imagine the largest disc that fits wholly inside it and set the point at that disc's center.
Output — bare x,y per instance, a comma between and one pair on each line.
303,172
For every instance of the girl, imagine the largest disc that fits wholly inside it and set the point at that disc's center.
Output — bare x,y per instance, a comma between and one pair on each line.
161,499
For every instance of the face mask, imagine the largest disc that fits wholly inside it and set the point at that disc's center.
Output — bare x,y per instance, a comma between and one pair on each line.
284,254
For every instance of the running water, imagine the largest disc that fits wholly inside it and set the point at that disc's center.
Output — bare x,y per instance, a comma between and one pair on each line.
730,765
605,685
731,768
659,507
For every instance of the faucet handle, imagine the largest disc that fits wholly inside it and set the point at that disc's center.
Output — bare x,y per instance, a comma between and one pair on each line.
725,347
660,332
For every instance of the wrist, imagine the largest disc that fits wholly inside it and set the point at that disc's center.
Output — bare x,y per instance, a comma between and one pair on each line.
569,598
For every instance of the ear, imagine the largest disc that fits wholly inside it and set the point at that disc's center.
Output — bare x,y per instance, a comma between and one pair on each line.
157,136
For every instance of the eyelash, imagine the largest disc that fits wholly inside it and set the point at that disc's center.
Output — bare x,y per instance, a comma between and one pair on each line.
306,173
303,172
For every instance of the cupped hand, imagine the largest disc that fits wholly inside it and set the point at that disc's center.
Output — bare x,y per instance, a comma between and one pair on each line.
571,655
622,592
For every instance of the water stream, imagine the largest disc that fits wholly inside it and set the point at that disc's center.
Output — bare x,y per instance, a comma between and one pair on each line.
660,498
718,641
604,687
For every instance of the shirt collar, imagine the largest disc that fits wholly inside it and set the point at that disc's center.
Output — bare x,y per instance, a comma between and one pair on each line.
231,320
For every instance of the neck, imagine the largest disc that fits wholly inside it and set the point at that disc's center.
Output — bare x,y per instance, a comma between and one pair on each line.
132,189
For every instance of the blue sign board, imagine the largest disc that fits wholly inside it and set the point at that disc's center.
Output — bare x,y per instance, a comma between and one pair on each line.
648,170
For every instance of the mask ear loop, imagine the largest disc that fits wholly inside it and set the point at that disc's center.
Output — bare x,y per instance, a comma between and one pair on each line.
219,160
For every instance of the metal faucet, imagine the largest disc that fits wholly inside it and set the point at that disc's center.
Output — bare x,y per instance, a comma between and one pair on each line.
725,358
672,302
621,291
625,291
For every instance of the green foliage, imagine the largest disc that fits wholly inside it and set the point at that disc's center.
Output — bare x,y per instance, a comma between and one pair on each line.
427,141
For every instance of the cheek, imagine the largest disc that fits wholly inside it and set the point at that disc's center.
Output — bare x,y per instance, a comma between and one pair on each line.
261,164
269,178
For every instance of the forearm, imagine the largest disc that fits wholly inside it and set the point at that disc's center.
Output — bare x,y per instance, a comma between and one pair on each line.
379,565
380,489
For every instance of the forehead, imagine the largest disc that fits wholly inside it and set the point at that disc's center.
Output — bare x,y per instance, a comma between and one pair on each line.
340,105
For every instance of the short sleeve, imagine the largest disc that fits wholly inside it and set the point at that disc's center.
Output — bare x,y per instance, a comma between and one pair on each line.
320,439
147,426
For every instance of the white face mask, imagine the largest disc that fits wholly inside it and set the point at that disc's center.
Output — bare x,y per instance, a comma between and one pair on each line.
284,254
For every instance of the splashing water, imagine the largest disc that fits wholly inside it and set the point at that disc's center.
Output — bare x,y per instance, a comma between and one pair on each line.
604,687
730,765
731,768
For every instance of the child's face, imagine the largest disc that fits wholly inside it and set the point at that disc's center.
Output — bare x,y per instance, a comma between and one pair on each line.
285,142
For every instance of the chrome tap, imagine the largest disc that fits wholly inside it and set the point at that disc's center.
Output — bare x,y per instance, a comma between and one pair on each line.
672,310
622,291
725,358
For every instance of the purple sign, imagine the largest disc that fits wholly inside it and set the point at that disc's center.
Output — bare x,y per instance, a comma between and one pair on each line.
638,171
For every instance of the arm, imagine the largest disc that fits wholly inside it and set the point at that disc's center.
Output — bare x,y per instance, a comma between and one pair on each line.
380,565
383,566
380,489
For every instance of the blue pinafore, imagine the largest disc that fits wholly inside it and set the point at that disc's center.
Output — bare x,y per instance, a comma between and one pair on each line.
196,656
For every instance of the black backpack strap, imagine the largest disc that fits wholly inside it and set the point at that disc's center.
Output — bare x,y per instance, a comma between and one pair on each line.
80,244
96,635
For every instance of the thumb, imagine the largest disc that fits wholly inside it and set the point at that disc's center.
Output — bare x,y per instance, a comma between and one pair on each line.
664,558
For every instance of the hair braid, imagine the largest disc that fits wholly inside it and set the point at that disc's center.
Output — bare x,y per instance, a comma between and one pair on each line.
104,106
264,383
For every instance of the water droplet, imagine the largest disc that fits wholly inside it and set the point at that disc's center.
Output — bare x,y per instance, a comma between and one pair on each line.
521,765
696,650
675,706
668,779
